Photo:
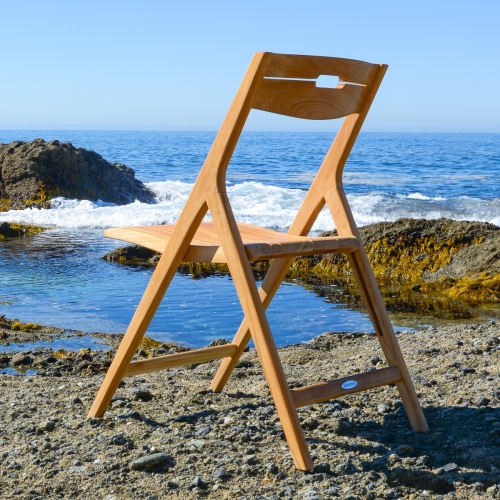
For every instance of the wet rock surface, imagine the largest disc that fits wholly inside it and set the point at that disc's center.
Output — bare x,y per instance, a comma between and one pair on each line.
412,257
165,436
32,173
10,230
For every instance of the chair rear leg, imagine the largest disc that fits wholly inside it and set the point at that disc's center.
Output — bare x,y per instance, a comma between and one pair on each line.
227,365
267,290
372,298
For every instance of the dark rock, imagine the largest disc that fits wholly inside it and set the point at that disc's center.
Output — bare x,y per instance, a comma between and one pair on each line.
21,359
121,440
467,371
142,395
310,423
133,254
322,467
199,483
32,173
9,230
217,342
221,474
152,461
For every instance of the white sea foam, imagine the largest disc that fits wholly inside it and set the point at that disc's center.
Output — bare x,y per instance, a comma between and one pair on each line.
420,196
254,203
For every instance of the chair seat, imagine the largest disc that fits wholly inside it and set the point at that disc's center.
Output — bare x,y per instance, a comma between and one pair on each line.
260,243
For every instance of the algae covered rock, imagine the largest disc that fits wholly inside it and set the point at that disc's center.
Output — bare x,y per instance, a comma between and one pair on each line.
10,230
459,259
32,173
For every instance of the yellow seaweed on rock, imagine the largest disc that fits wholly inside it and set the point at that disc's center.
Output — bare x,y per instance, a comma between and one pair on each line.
9,230
480,290
24,327
41,199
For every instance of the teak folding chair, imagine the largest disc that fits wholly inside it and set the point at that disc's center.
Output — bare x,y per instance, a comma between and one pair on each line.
283,84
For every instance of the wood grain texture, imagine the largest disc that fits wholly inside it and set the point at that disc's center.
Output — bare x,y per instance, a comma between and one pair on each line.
260,243
303,66
303,99
179,359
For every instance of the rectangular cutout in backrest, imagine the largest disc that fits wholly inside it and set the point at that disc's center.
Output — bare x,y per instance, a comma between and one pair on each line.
327,81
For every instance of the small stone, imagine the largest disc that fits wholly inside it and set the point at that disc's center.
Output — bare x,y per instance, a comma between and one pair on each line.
467,371
204,431
142,395
78,468
250,460
310,423
449,467
272,468
121,440
309,493
21,359
374,360
382,408
197,443
150,461
322,467
199,483
221,474
48,426
404,449
482,401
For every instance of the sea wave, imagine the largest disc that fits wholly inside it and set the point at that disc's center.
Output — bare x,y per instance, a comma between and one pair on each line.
253,203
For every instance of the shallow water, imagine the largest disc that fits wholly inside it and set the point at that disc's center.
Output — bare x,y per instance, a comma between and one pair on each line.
57,278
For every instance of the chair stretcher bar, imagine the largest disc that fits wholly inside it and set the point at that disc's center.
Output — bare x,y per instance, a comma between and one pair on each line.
325,391
180,359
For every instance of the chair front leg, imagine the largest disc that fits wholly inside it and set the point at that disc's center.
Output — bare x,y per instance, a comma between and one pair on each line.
153,295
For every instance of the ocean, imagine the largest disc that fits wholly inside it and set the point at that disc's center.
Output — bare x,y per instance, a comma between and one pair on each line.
58,278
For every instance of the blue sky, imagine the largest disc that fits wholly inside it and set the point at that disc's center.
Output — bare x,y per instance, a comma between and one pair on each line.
165,65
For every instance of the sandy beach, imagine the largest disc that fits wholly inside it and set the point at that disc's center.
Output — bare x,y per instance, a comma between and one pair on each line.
164,436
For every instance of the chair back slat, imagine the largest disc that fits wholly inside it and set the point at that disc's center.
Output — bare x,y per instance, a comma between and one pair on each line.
303,99
311,67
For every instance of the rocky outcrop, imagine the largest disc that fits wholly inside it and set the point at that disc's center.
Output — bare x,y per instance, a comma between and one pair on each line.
10,230
459,258
32,173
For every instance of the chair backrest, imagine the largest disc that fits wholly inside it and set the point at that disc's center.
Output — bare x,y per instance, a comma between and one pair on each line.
286,84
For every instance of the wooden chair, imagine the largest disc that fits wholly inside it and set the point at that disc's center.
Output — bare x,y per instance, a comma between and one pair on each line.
283,84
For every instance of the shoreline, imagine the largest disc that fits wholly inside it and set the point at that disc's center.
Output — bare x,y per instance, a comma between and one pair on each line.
165,436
